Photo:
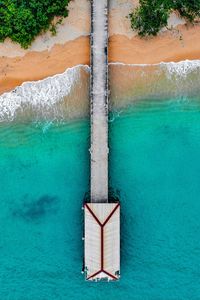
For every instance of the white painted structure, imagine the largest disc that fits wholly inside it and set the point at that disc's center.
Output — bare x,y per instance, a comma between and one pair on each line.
99,101
102,241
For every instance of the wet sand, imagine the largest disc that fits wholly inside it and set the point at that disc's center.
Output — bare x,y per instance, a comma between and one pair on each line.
180,44
39,65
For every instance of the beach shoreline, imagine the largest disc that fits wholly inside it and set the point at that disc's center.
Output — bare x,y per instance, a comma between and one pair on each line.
39,65
49,56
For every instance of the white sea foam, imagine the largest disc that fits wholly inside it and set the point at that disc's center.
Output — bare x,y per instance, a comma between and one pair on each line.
45,95
182,68
189,63
41,94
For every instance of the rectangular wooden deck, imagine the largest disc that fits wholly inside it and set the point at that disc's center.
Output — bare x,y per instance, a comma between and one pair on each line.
102,241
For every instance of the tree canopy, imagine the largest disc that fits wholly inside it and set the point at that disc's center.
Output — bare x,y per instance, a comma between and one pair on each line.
23,20
152,15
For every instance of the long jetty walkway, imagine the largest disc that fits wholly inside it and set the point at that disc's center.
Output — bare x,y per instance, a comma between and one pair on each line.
102,218
99,101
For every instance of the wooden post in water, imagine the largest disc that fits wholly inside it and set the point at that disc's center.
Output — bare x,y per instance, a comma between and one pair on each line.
99,101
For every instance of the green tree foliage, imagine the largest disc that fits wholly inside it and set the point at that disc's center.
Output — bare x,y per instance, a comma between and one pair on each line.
188,9
23,20
152,15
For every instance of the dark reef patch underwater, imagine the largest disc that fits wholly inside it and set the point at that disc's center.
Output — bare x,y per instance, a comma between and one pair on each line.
154,163
36,209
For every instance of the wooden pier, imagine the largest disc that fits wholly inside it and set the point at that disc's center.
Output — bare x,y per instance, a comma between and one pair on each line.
102,217
99,101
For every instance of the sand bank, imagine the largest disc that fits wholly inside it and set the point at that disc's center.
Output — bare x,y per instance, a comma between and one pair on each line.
52,55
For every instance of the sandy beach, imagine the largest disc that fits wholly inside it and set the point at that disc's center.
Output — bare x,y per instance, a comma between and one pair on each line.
164,48
49,55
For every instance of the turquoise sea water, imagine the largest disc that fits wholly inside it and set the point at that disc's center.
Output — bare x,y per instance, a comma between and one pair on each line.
155,165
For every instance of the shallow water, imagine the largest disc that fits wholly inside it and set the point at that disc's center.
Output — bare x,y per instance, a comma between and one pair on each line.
155,165
65,96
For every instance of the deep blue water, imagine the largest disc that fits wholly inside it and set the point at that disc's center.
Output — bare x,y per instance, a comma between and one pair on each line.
155,165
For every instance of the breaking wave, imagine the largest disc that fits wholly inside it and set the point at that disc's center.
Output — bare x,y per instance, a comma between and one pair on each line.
156,81
53,97
65,96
